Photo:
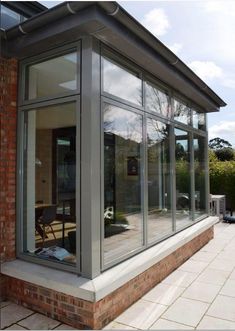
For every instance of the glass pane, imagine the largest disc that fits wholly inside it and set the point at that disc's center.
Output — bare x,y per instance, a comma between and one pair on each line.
121,82
199,120
183,181
181,112
123,217
50,162
157,100
9,17
51,77
159,180
199,144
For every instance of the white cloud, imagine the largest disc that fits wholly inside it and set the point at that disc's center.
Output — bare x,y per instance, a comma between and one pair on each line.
156,21
225,130
220,6
176,48
229,82
206,70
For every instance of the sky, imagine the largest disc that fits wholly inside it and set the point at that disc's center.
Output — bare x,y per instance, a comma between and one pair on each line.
202,35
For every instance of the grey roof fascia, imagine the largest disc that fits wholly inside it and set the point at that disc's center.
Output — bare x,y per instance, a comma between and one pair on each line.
114,10
26,8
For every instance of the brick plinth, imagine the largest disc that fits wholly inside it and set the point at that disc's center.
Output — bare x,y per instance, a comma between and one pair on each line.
95,315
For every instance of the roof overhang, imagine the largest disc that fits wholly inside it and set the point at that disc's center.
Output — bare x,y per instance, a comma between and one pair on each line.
111,24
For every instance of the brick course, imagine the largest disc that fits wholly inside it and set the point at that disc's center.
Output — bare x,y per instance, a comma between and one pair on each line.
87,315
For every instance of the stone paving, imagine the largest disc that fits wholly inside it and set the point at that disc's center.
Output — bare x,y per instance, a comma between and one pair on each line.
15,317
200,294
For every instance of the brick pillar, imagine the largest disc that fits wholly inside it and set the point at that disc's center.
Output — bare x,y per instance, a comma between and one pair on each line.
8,99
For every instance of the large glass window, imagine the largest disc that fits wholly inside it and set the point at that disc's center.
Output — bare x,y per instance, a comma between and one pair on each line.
181,112
157,100
199,144
159,180
121,82
183,179
52,77
50,183
123,215
199,120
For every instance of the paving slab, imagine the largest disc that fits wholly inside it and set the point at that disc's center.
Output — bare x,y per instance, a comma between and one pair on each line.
180,278
39,322
164,294
193,266
5,303
228,288
223,307
13,313
213,276
142,314
204,256
64,327
202,291
222,264
15,327
186,311
118,326
232,275
212,323
162,324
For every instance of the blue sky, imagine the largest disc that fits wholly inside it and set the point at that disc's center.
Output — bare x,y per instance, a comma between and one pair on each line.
202,34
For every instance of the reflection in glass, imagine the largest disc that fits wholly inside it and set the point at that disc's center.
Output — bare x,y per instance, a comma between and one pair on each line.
159,182
183,181
121,82
181,112
50,162
199,144
8,17
157,100
51,77
199,120
123,217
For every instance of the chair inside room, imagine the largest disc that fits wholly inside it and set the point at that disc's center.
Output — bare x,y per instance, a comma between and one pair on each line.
45,220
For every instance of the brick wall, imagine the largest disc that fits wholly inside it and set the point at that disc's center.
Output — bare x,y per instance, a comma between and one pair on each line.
82,314
8,98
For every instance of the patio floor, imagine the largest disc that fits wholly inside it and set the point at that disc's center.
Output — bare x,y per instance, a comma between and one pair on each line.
200,294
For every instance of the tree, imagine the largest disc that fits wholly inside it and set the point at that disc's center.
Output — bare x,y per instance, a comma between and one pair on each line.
219,143
225,154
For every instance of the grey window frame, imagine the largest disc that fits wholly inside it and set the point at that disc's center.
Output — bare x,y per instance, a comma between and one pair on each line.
89,102
37,104
108,101
122,103
48,55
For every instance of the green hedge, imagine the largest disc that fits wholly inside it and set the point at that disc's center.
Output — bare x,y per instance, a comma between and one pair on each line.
222,180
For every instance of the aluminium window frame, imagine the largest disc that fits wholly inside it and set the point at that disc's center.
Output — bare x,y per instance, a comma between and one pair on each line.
122,103
37,104
74,47
108,101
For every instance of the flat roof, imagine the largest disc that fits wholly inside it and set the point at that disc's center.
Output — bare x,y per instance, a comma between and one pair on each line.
117,18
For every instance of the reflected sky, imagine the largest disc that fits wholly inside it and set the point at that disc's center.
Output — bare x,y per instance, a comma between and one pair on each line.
122,83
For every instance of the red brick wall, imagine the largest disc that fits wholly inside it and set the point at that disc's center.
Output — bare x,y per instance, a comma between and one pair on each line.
82,314
8,99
